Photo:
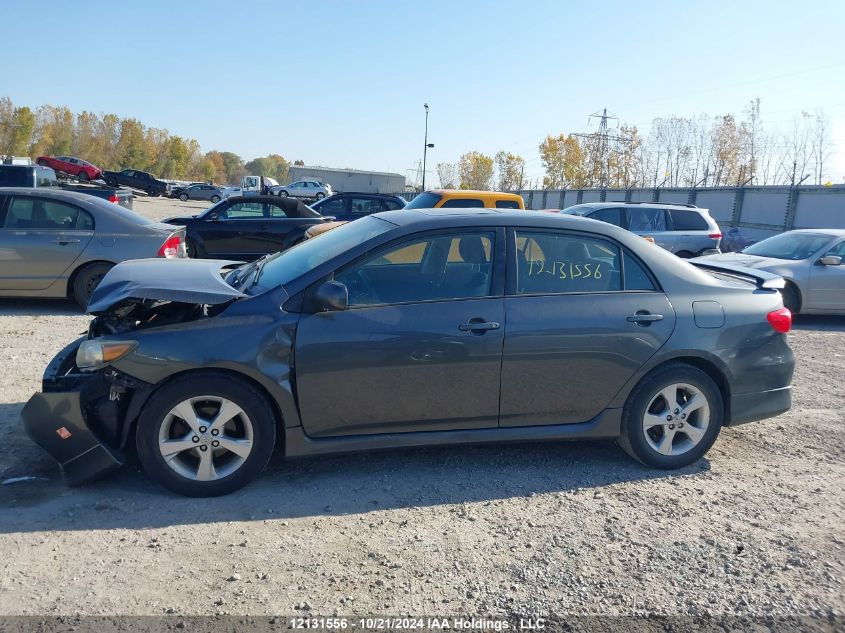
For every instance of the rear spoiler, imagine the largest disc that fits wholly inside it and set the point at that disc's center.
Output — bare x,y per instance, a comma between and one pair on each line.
761,278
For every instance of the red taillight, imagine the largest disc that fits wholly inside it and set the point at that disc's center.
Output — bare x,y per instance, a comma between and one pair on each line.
113,198
780,320
715,236
171,247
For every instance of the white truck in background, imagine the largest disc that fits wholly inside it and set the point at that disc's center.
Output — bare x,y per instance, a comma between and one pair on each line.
251,186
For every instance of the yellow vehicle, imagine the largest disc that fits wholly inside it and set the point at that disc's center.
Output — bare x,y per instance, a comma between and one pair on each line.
466,199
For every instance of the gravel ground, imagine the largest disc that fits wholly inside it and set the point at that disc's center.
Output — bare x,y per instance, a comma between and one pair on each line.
758,528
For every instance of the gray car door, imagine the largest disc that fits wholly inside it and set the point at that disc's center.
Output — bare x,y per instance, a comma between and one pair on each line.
577,328
827,283
419,348
39,241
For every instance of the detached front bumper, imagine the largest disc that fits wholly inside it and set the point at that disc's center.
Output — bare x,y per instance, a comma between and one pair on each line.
55,422
80,419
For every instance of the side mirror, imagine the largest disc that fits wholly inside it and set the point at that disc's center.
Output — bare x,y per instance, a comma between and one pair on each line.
330,296
831,260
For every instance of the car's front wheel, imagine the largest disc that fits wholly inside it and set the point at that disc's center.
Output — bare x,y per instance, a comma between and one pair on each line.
206,434
283,194
320,196
791,298
183,197
82,176
215,199
672,417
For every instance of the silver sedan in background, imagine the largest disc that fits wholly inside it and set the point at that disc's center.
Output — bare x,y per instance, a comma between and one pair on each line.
812,261
57,243
200,192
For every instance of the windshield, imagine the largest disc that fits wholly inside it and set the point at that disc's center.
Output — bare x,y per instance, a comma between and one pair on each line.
425,200
792,246
286,266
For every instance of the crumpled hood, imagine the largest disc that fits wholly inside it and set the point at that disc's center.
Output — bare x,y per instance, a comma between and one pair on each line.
742,259
183,280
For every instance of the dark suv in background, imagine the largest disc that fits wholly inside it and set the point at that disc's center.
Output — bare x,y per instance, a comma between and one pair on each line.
350,205
683,229
137,180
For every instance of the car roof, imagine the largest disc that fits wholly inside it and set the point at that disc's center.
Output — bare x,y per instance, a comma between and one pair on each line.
452,217
49,192
676,206
474,193
362,193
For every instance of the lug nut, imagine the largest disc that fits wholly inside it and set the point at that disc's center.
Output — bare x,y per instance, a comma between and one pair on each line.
671,426
669,418
215,443
677,411
683,416
195,439
203,448
215,432
680,425
202,429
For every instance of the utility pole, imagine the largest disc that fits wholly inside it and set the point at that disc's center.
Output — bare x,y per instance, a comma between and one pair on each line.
600,141
426,145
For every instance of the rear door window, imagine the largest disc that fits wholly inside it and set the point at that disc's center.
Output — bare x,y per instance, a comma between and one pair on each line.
687,220
644,219
365,206
507,204
35,214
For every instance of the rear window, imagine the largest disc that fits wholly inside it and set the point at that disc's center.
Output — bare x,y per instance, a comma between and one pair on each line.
463,203
425,200
645,219
687,220
611,216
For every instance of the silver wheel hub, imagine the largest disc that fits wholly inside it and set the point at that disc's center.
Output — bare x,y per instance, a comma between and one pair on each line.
676,419
205,438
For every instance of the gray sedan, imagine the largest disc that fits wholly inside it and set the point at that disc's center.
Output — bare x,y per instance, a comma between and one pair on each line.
200,192
811,262
414,328
61,243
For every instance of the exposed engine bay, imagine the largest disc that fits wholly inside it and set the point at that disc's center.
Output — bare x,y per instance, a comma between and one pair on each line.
139,314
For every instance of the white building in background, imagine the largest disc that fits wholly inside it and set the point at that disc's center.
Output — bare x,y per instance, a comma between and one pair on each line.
350,179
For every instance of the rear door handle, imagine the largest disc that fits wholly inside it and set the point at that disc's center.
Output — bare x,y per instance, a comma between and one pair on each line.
474,325
644,317
66,240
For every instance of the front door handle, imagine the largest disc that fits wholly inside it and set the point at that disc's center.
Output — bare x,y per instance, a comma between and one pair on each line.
477,325
66,240
644,318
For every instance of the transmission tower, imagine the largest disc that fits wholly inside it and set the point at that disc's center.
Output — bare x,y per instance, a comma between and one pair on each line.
599,142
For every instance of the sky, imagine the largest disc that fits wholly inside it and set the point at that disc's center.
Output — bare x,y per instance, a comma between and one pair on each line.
343,83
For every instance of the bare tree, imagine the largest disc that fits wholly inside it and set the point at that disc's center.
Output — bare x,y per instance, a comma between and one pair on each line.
797,152
821,144
448,175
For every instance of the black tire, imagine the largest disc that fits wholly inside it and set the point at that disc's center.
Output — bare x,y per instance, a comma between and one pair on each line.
684,254
43,163
215,199
283,194
82,176
791,298
320,196
237,390
633,439
152,192
86,280
111,182
190,248
183,197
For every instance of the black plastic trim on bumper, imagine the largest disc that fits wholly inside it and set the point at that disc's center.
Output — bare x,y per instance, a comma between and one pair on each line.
750,407
55,422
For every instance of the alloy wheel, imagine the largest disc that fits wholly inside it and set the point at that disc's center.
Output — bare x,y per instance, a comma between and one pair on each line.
205,438
676,419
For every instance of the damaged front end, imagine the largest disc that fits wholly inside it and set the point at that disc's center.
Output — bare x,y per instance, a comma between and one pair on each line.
85,412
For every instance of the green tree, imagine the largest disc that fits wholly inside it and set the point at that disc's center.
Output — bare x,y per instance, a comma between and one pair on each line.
476,171
22,126
509,168
563,160
131,150
274,166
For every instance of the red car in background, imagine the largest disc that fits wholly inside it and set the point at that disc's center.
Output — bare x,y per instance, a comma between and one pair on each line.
82,169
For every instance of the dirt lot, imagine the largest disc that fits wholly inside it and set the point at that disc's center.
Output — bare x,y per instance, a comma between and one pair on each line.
757,528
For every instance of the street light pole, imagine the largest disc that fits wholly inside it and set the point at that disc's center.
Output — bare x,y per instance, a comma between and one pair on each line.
426,145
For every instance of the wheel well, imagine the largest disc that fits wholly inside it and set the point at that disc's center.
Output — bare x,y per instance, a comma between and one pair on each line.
791,284
715,374
78,269
213,371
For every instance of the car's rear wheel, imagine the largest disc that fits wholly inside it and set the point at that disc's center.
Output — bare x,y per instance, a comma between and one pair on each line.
86,280
82,176
206,434
791,298
152,192
43,163
283,194
183,197
111,182
190,248
684,254
215,199
672,417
